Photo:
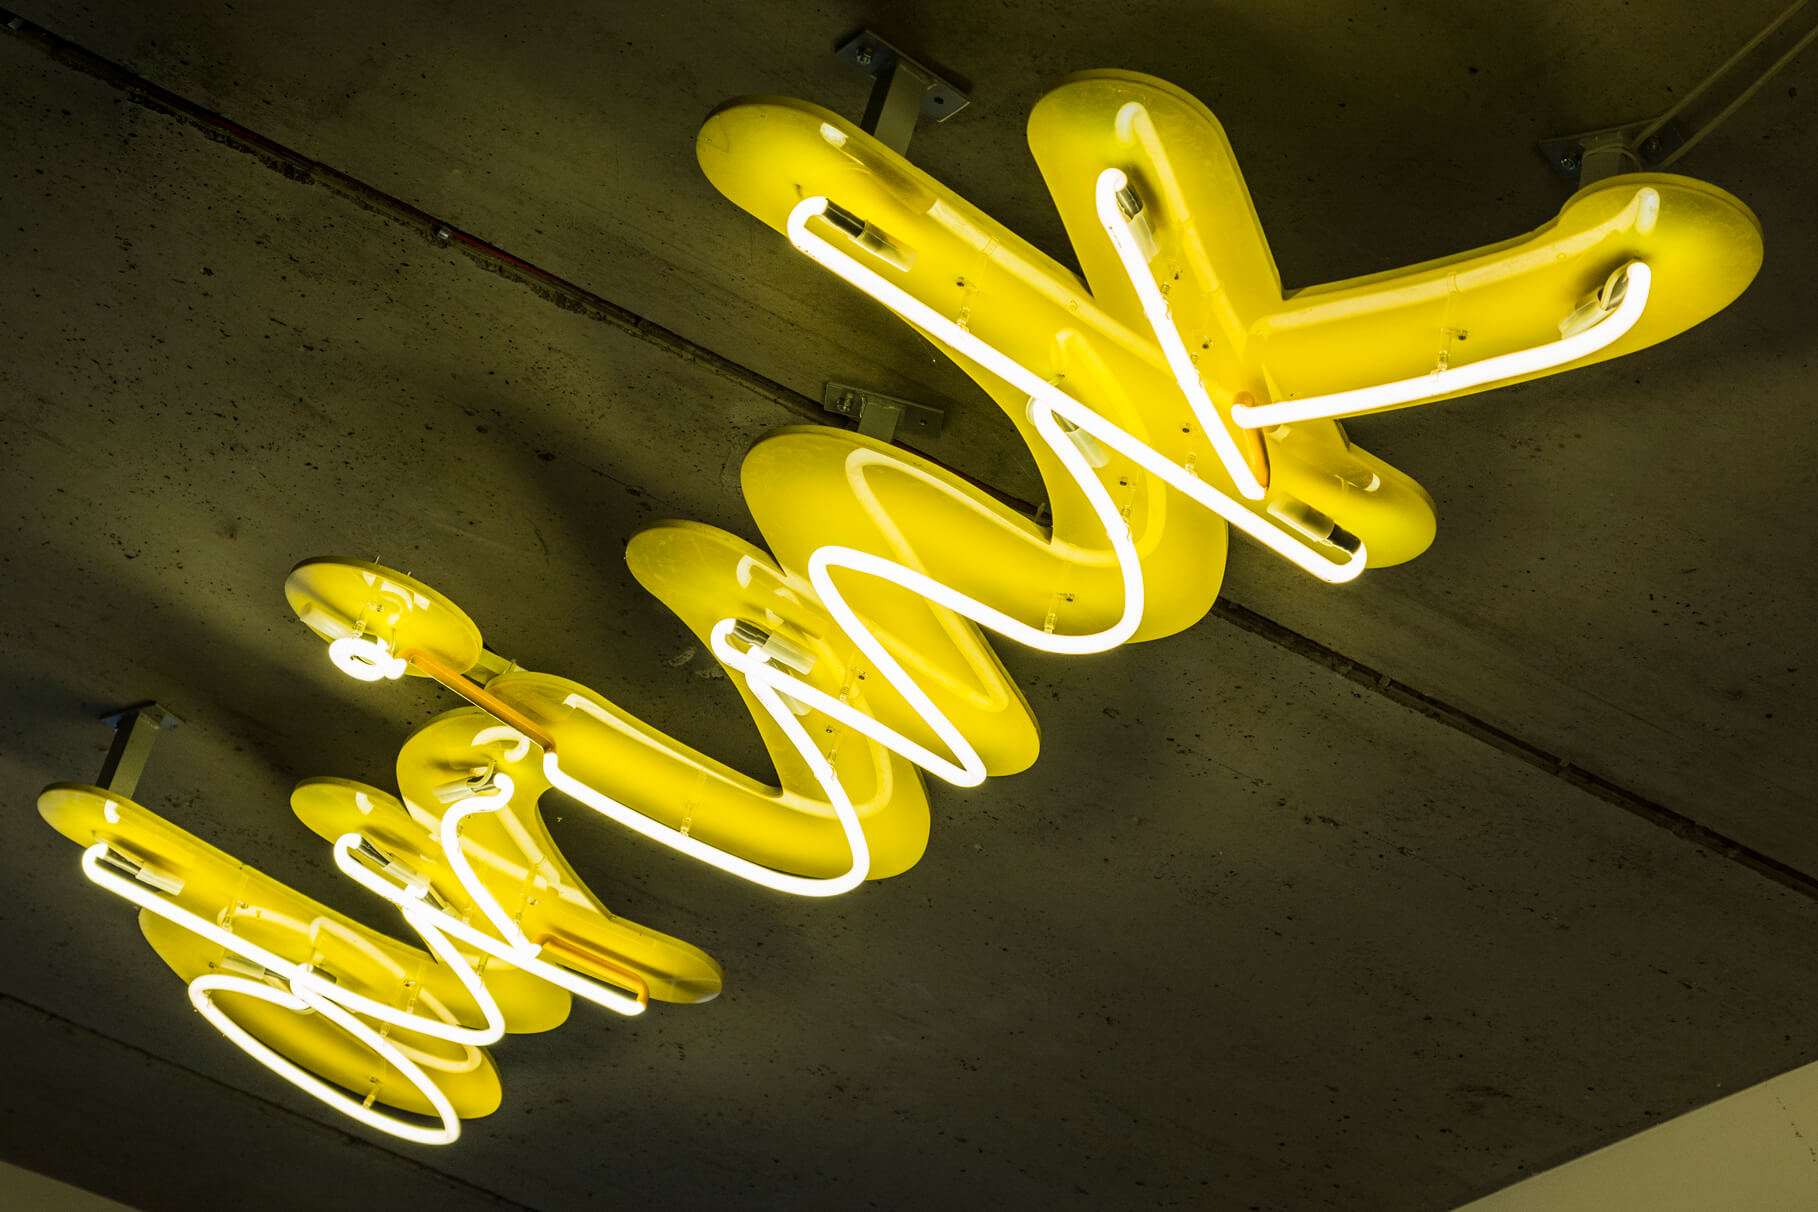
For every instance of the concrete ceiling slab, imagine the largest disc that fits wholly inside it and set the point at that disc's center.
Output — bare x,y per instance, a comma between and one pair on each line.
1247,936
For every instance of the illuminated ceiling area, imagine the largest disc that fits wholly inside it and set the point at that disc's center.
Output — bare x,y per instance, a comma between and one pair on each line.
1482,847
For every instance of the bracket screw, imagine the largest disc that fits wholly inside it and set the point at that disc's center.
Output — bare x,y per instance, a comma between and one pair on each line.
864,56
1650,145
1569,162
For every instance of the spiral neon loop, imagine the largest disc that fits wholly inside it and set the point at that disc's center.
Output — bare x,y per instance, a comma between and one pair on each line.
1181,394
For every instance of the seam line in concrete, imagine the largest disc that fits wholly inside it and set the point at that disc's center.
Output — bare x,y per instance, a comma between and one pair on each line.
1459,720
301,168
565,294
15,1005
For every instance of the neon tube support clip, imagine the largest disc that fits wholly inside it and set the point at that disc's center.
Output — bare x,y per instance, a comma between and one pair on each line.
904,90
135,728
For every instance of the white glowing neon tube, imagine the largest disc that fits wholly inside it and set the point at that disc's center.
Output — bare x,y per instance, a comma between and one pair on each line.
1280,541
298,976
306,1001
306,979
1112,187
967,769
1635,279
525,955
93,866
733,864
450,836
518,951
300,989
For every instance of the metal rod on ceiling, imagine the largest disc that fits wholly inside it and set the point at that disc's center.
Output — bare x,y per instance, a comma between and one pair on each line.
904,91
135,729
1657,143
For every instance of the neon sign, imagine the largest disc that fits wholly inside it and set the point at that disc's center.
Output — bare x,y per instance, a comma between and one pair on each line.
1181,395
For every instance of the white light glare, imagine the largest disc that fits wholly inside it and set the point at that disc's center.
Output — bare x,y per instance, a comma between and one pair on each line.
367,658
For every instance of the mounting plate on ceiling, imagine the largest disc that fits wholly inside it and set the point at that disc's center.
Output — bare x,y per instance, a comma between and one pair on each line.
1607,152
135,728
880,59
878,415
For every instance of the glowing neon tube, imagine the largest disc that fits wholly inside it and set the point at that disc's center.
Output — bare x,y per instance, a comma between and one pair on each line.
772,683
968,770
450,836
303,992
1059,402
300,988
307,1001
1617,320
299,976
1074,141
639,822
525,955
769,679
1110,192
744,868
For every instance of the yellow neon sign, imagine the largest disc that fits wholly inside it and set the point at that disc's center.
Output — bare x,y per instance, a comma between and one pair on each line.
1182,394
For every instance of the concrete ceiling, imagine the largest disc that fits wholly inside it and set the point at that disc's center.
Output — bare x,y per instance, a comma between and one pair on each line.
1372,897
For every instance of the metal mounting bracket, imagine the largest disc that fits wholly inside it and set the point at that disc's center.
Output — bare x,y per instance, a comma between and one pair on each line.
905,90
135,728
1586,158
878,415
